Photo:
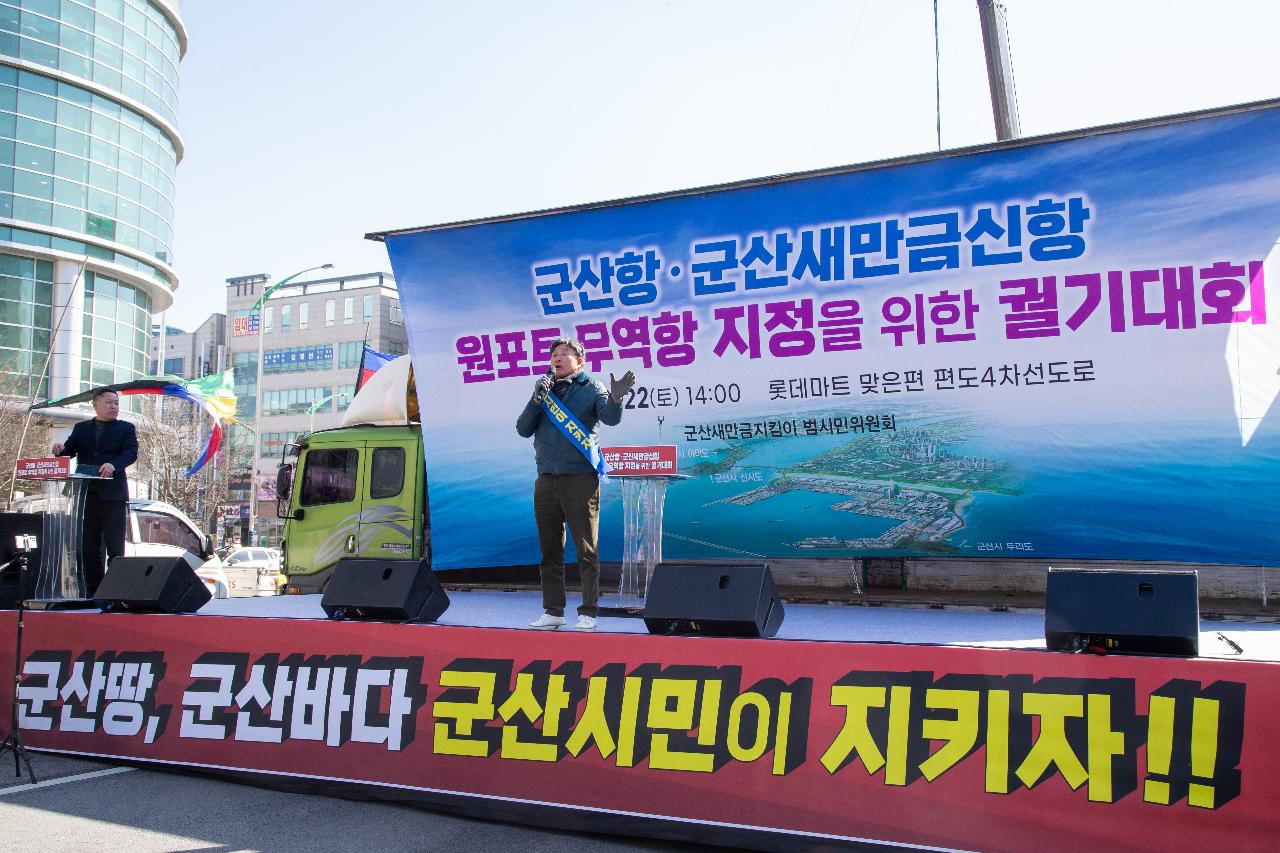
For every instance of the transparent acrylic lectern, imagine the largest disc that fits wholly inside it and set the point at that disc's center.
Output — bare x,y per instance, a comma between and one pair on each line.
60,583
643,497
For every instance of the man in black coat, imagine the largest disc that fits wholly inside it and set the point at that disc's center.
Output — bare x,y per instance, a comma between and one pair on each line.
108,446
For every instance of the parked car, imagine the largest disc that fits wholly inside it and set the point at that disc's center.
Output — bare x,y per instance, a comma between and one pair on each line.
159,529
258,568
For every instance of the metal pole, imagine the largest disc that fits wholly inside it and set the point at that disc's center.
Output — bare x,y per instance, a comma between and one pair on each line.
34,386
311,425
254,532
160,344
995,44
257,433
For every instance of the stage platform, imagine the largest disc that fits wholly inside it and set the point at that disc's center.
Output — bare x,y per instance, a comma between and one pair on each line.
864,726
847,623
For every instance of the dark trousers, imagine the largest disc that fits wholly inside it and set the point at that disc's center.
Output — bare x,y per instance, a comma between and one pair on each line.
572,499
103,531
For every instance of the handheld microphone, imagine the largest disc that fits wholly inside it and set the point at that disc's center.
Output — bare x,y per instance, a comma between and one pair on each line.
551,378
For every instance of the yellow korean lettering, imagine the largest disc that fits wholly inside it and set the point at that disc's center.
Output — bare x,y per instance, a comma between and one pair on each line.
464,714
959,735
782,736
671,707
627,723
997,746
759,739
1051,747
708,719
593,725
899,722
1104,745
524,701
855,738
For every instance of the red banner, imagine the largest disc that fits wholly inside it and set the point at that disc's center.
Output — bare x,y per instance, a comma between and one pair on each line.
43,468
636,461
921,745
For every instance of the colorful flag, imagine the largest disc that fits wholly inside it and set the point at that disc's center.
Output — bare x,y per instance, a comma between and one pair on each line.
215,394
371,361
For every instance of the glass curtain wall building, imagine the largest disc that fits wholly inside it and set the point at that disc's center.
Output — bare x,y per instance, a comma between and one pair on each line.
89,148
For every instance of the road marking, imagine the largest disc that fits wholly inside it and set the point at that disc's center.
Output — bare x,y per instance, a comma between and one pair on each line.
79,777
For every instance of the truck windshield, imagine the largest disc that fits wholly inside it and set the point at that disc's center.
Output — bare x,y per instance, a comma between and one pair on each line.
329,476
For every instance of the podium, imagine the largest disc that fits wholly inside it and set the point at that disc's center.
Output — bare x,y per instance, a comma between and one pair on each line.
644,473
60,583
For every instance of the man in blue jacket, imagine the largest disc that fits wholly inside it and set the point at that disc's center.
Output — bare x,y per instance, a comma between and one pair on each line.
107,445
567,490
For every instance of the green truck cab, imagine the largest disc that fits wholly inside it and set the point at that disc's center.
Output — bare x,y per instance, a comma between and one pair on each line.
354,491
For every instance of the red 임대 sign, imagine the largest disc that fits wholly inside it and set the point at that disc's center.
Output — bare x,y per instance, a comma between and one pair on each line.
43,468
639,461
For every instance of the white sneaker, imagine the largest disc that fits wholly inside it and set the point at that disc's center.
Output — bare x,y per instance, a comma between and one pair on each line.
585,623
547,622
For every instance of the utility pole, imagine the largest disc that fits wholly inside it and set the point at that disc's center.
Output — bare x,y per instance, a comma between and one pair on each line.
995,44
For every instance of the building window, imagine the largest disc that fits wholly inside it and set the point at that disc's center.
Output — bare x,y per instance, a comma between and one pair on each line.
349,353
329,312
274,443
397,316
88,165
348,310
246,376
344,395
26,298
173,366
292,401
268,320
368,309
117,331
286,312
298,359
304,319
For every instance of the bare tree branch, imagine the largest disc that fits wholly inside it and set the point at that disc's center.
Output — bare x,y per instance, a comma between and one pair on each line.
14,390
171,436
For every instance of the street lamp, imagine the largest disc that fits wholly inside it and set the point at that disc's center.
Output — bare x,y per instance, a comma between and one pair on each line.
257,417
311,426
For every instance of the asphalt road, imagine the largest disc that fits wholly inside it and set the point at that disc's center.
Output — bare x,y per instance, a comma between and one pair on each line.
82,805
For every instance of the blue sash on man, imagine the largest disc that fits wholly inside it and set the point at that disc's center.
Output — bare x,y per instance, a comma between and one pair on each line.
578,435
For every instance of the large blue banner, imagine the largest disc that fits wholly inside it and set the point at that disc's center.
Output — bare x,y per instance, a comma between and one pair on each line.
1061,349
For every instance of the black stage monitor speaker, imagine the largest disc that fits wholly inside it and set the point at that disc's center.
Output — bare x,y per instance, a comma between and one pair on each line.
152,585
1123,611
389,590
723,601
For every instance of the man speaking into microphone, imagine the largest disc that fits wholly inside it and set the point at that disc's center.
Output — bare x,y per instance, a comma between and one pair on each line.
562,417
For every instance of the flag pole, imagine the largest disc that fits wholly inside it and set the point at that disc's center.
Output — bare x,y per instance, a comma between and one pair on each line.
364,346
44,371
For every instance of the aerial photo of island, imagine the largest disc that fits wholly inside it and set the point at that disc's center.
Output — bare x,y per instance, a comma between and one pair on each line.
911,475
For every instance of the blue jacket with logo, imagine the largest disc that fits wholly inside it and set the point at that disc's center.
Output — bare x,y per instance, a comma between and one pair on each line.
553,452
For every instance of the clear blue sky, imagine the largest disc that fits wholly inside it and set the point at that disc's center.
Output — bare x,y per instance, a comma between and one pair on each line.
308,123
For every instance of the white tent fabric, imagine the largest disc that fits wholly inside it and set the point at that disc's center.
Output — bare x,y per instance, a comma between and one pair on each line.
383,400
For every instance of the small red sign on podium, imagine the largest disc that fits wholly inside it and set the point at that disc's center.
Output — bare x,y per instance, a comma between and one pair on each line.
43,468
646,461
